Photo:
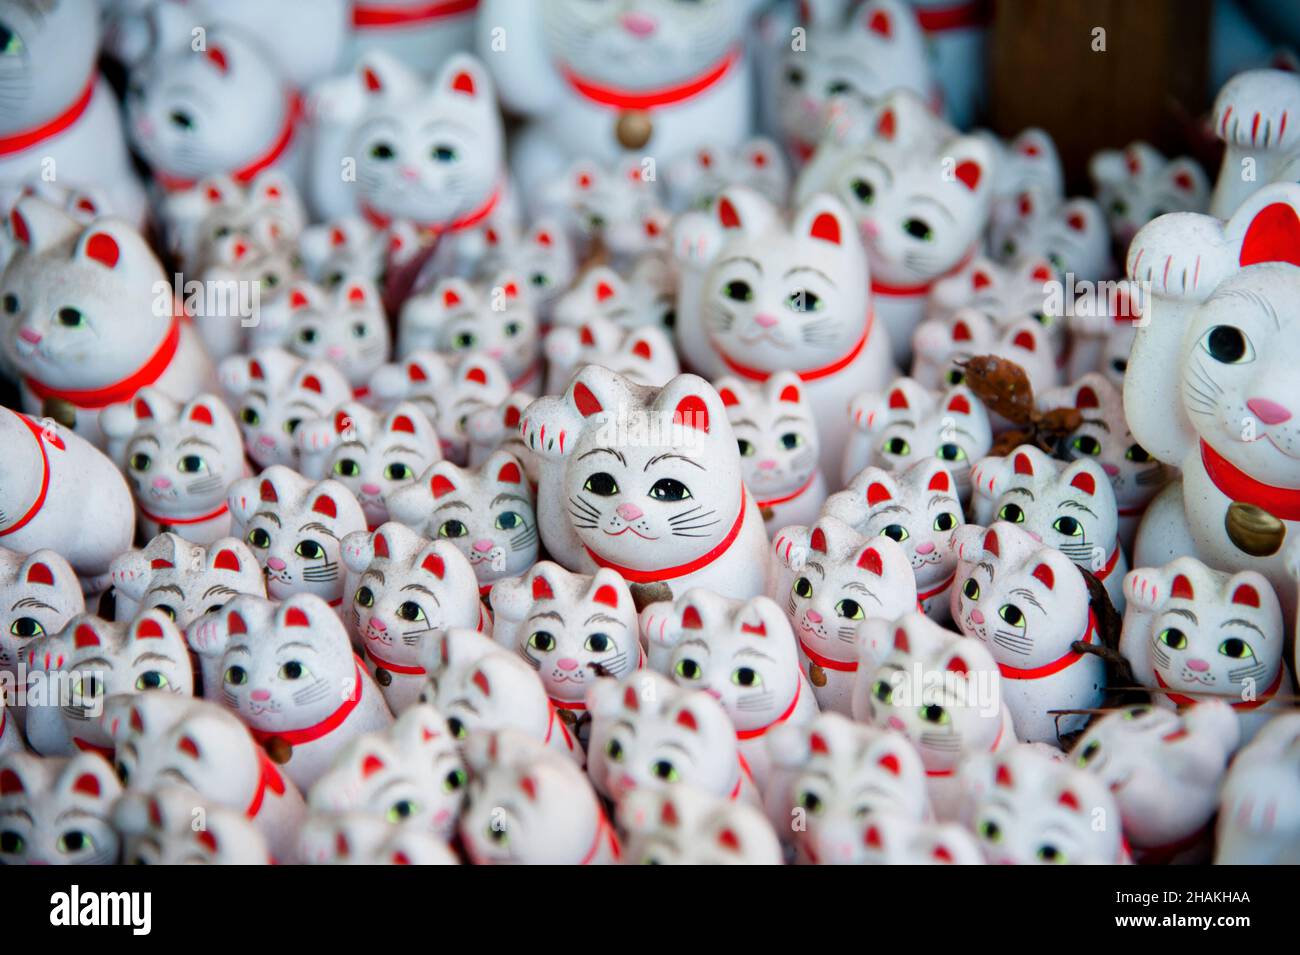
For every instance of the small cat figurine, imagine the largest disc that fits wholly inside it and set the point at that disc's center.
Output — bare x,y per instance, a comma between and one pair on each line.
529,805
1165,770
830,772
573,629
480,686
893,838
294,526
163,827
838,579
370,453
646,297
617,208
410,774
406,588
1260,145
277,391
366,838
940,690
1257,822
644,355
916,507
39,594
179,460
695,180
543,256
183,579
1027,169
347,247
456,318
743,654
87,326
1030,808
1027,603
1072,235
941,346
57,811
908,422
496,428
1005,294
160,738
1070,507
488,512
683,826
1138,184
780,448
622,484
240,275
647,732
289,672
1194,632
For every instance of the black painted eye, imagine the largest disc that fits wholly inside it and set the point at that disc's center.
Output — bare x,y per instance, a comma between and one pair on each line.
309,549
955,376
26,627
794,76
181,119
1086,444
151,680
167,609
1236,649
882,691
1089,752
141,462
11,44
803,588
382,151
934,713
74,840
454,780
971,589
293,670
688,669
250,417
614,750
11,303
292,425
508,521
71,317
804,301
738,291
1013,513
402,809
410,610
236,676
849,609
790,440
444,153
1011,614
746,447
542,641
896,532
259,538
539,280
1173,638
950,452
346,467
365,597
457,727
863,191
918,229
1049,853
1227,344
1119,207
1119,365
397,471
598,643
602,484
669,489
452,529
1137,453
897,446
665,770
307,336
746,677
945,521
1068,526
11,842
192,464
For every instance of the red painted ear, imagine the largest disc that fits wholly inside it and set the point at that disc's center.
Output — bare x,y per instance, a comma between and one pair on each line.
159,564
155,814
1041,273
961,332
959,404
441,485
980,280
529,788
18,225
1272,236
357,294
940,482
687,719
142,410
729,399
511,417
298,299
85,636
206,837
1022,464
877,493
1086,398
968,172
668,815
1076,221
371,765
341,847
217,56
337,236
509,474
729,840
403,424
1069,800
604,291
137,721
325,505
630,699
542,589
312,383
872,838
818,540
1025,205
691,619
826,228
691,412
886,125
1003,776
991,543
758,629
901,643
511,290
727,214
941,854
871,563
434,565
10,783
188,746
481,681
642,350
817,744
87,784
1085,482
103,248
1246,594
585,401
879,23
450,299
607,595
381,545
296,617
897,399
266,490
958,665
235,623
415,373
584,180
889,763
1183,180
149,630
202,414
255,370
790,393
463,83
1044,573
1025,340
543,239
40,574
476,375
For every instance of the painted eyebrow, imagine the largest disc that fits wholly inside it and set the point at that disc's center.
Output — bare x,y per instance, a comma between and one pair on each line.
219,589
302,404
1097,423
927,200
547,615
150,438
464,704
890,509
23,813
617,454
788,417
199,441
317,526
1078,506
672,454
743,423
401,449
1238,622
269,516
751,652
239,648
815,566
1027,596
1183,612
295,644
985,566
167,589
377,574
259,395
743,258
673,744
152,656
420,588
877,164
352,444
858,588
696,642
460,504
73,814
501,498
808,268
604,618
943,499
625,725
1021,490
96,661
30,602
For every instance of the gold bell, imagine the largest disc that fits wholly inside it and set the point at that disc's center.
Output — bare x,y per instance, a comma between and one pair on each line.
634,128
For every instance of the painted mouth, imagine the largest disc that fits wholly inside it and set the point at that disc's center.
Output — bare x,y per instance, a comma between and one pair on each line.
633,530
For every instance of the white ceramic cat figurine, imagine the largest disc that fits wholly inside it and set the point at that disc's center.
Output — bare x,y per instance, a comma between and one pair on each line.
1070,507
1139,184
415,31
496,428
1005,294
161,828
647,296
91,319
179,460
410,774
617,208
346,247
940,690
829,772
743,654
780,447
1165,771
276,392
907,422
183,579
370,453
1257,822
39,594
683,826
644,355
1073,236
1027,603
405,589
892,838
917,507
160,738
1028,171
647,732
529,805
488,512
693,181
294,526
1194,633
623,484
365,838
838,578
1250,117
544,256
941,346
57,811
770,296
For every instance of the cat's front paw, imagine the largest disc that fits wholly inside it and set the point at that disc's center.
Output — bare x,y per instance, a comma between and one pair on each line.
207,636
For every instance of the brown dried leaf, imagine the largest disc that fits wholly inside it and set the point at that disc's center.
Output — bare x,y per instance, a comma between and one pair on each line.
1002,385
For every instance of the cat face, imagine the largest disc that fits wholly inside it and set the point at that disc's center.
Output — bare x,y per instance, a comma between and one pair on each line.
1072,236
458,319
427,154
645,297
682,826
643,355
50,49
618,206
158,828
1005,293
364,838
543,258
775,431
276,392
57,811
350,247
202,220
1028,165
186,581
410,774
891,838
695,180
1138,184
649,733
488,513
294,526
1070,507
178,459
370,454
39,594
943,345
497,428
346,328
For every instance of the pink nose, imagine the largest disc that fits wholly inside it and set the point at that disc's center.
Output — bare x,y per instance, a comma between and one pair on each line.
638,24
926,548
275,563
766,321
766,464
162,483
30,335
370,489
1197,664
977,615
568,663
335,353
410,173
626,782
261,695
870,229
814,616
266,441
483,545
896,724
1269,412
496,352
1110,469
629,512
378,624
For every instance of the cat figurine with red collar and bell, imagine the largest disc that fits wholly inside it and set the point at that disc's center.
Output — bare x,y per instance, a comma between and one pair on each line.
159,828
1194,633
91,318
836,579
644,355
647,482
683,826
743,654
288,671
1028,605
404,588
918,507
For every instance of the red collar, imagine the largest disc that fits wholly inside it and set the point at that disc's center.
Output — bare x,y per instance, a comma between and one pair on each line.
826,663
992,749
1282,502
773,501
1182,700
810,374
1110,564
1056,666
880,287
550,727
381,221
565,705
326,726
942,586
634,576
391,667
371,16
246,174
649,99
202,518
17,142
88,747
41,437
603,831
789,711
741,777
123,390
268,778
959,16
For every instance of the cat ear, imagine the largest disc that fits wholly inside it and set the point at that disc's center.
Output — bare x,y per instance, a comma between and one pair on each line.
504,467
452,296
609,589
1273,231
935,477
155,625
231,555
38,224
1026,336
1082,216
380,74
109,243
47,568
1084,479
877,20
972,163
443,478
743,210
692,402
870,561
786,388
825,220
605,287
89,776
464,78
1187,178
358,294
647,344
218,58
85,633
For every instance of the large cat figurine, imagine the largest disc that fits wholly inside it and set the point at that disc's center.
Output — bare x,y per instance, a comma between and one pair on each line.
1027,603
683,826
57,811
174,825
1139,184
179,460
90,318
1257,822
647,482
